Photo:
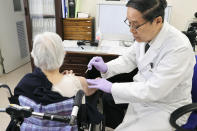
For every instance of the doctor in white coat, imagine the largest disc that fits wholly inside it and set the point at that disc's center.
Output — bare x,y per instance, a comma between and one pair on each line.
164,80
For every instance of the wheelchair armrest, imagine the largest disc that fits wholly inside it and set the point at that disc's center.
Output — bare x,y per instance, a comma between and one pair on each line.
180,112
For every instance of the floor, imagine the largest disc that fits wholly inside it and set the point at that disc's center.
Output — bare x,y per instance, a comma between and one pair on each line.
11,79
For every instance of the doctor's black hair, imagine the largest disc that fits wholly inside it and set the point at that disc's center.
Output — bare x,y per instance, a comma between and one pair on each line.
150,9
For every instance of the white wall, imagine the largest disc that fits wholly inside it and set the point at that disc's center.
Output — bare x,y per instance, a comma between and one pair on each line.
182,11
88,6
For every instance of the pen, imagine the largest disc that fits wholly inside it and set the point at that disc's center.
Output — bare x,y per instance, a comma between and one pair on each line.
82,48
151,65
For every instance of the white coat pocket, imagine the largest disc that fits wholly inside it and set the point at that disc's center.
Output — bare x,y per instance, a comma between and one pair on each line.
147,71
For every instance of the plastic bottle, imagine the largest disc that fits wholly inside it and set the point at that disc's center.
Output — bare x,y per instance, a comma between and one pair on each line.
98,38
98,35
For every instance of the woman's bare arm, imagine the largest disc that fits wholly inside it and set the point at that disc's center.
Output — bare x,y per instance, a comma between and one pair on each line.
84,84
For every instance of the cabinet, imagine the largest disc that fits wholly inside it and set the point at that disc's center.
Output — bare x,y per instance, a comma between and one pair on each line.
78,61
78,29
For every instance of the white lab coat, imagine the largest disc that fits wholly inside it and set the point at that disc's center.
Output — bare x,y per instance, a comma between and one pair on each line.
162,84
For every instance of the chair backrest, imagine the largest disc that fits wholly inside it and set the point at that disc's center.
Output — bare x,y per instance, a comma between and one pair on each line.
192,120
194,84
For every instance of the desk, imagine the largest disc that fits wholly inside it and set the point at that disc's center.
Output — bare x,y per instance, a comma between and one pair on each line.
78,57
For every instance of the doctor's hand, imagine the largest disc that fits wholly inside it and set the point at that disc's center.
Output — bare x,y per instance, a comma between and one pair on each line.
98,63
101,84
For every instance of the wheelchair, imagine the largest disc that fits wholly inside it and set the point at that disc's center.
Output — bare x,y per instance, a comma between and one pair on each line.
19,113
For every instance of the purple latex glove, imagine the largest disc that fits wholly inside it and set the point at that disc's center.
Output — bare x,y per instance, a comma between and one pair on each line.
101,84
98,63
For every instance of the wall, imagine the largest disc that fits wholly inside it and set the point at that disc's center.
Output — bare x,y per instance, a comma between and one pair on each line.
182,11
88,6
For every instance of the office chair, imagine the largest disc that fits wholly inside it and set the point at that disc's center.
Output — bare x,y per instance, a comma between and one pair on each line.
191,124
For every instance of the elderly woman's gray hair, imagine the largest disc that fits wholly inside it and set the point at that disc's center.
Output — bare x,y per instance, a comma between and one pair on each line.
48,51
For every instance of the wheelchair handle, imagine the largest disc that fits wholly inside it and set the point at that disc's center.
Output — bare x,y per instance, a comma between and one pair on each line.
77,103
17,111
6,86
47,116
2,110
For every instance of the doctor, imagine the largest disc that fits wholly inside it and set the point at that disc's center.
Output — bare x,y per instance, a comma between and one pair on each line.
163,82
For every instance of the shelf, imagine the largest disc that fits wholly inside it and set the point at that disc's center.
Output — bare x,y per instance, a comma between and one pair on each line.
42,16
112,3
89,18
117,3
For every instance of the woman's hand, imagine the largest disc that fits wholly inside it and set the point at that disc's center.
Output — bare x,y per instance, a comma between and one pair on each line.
67,72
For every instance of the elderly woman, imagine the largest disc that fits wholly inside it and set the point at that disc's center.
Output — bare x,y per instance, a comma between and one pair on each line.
46,85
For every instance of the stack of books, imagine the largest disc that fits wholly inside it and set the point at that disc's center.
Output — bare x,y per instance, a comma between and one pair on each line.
70,8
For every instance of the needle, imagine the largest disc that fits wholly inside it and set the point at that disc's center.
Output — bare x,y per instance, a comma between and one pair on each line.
86,71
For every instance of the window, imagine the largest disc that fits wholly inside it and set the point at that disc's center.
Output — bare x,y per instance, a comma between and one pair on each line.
17,5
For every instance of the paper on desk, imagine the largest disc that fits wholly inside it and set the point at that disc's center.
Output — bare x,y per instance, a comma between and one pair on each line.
70,43
110,43
118,50
82,15
113,47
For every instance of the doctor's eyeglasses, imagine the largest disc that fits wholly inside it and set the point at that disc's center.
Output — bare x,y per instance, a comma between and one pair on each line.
135,27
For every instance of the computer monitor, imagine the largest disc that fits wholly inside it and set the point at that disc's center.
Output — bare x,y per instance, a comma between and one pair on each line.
110,20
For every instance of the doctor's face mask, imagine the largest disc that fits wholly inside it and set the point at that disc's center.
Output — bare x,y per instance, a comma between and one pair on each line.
142,30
